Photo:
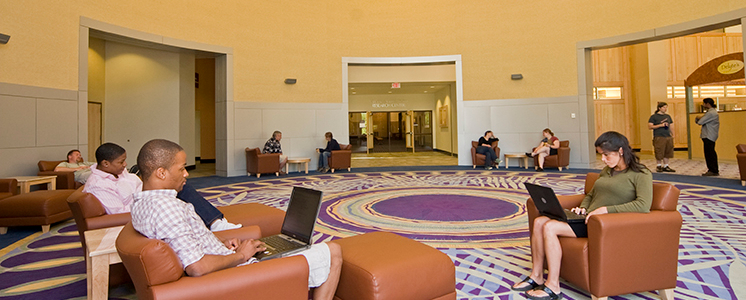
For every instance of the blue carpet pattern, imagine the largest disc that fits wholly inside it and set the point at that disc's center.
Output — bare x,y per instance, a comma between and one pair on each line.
476,217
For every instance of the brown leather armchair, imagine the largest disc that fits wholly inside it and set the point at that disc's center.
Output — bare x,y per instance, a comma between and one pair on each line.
8,187
478,159
341,159
621,254
157,272
65,180
258,163
559,160
741,158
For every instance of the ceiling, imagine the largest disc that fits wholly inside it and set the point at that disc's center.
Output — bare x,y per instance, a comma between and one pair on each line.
406,88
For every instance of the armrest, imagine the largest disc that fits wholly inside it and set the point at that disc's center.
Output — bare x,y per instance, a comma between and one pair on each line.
566,202
65,180
643,244
9,185
106,221
269,157
284,278
563,156
342,154
570,201
243,233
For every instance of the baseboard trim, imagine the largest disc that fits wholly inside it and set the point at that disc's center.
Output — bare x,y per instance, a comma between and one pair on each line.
207,161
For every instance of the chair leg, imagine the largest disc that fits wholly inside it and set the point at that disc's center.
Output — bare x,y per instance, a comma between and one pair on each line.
277,173
560,168
349,169
3,230
332,170
473,166
666,294
599,298
257,175
743,182
44,228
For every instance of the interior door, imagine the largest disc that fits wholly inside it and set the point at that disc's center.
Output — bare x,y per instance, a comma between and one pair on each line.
94,129
409,130
369,130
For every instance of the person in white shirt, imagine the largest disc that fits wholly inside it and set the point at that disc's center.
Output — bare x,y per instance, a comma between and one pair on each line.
114,187
158,214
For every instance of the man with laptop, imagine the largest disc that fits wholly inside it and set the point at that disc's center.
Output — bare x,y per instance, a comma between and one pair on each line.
158,214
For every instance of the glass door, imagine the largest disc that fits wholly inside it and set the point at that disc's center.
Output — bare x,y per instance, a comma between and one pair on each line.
423,130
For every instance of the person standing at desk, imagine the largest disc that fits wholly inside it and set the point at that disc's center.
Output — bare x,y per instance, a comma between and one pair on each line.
710,123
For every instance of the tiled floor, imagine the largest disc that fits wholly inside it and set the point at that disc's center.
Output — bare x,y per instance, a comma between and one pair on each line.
680,163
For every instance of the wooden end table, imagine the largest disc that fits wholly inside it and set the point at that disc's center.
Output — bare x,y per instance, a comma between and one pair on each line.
100,253
25,182
297,160
523,159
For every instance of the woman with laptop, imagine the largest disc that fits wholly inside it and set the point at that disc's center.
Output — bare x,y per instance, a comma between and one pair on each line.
624,185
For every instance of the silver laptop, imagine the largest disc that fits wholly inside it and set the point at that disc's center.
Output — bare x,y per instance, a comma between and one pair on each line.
297,228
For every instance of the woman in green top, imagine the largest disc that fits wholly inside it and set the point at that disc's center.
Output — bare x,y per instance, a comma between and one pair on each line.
624,185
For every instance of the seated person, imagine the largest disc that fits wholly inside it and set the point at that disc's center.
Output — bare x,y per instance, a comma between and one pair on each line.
114,187
75,163
547,146
158,214
485,148
273,146
331,145
624,185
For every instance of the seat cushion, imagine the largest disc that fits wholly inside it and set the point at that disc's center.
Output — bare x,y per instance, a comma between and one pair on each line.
35,208
383,265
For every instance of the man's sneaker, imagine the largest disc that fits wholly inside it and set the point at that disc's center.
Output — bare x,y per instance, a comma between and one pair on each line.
489,168
668,169
708,173
223,224
498,161
659,169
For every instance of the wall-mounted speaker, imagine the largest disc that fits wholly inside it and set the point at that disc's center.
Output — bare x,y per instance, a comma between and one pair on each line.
516,76
4,38
290,80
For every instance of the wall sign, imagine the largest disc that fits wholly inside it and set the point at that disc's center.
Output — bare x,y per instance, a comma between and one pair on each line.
730,67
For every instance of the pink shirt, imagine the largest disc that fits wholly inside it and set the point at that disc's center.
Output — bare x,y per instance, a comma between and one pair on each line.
116,194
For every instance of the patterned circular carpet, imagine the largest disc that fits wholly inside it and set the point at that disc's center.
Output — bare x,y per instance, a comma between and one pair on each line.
478,218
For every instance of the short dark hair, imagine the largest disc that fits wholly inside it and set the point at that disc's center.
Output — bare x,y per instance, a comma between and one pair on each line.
71,152
108,152
660,104
156,154
328,134
486,132
709,101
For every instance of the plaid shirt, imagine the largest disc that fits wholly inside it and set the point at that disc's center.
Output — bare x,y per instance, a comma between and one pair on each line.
272,146
158,214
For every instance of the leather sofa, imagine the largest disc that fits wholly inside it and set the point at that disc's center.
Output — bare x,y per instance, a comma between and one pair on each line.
559,160
158,274
38,208
624,252
341,159
8,187
65,180
258,163
741,158
478,159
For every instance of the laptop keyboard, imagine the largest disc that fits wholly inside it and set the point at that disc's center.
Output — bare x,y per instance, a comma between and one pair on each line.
279,244
573,216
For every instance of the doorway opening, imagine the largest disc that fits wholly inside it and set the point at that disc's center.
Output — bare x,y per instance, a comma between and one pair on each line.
388,131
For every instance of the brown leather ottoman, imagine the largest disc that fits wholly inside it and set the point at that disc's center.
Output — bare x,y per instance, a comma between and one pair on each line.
35,208
268,218
385,266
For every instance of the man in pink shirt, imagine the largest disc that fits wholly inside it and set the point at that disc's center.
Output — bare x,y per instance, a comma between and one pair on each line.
114,187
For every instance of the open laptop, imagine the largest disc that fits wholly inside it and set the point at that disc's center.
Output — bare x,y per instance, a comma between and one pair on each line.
548,205
297,228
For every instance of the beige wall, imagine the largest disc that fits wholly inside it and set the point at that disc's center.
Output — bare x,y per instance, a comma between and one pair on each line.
306,39
443,134
96,70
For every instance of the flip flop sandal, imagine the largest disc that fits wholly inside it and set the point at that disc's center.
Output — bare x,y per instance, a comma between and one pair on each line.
550,294
531,285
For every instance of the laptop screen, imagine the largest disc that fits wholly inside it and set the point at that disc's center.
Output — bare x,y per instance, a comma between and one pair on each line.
302,212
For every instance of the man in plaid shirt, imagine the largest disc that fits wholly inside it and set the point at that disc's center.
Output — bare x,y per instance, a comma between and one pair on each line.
158,214
273,146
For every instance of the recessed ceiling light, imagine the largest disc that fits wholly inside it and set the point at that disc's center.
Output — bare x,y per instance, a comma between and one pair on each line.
389,92
425,91
354,93
432,86
352,88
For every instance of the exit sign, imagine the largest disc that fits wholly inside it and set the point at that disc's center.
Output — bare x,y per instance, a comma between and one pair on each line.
396,85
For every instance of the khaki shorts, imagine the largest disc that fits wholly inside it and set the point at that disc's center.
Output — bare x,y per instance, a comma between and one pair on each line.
663,146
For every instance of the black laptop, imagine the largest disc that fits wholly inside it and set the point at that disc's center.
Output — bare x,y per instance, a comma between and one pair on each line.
548,205
297,228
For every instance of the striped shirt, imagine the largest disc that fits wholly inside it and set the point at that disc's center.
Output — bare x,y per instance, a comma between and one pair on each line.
115,193
158,214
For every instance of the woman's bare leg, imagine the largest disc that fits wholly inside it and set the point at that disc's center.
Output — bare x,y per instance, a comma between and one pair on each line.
553,252
537,252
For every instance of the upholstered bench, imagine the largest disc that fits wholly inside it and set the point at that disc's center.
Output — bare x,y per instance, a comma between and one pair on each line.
35,208
383,265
